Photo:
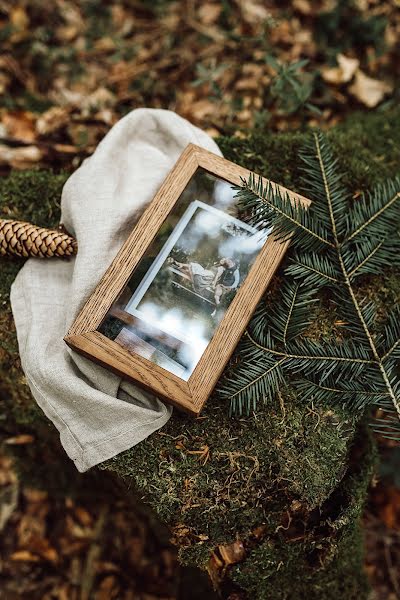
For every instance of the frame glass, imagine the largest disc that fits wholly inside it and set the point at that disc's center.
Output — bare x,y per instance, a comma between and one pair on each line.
184,283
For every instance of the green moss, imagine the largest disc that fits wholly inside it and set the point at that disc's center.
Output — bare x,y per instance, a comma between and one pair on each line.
28,196
287,571
215,478
327,560
367,146
32,196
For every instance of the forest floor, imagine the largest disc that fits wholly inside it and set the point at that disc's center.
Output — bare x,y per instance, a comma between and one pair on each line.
68,72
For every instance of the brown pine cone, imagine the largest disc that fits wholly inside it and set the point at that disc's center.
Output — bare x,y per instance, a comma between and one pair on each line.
18,238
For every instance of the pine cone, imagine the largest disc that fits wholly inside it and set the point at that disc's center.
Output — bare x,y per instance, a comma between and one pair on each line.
18,238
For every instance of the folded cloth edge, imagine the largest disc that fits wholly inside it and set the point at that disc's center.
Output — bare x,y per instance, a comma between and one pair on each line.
87,455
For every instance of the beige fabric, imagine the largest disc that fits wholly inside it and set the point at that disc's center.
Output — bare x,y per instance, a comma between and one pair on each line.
96,413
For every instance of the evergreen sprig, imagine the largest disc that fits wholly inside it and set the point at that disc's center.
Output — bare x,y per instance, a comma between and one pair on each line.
335,241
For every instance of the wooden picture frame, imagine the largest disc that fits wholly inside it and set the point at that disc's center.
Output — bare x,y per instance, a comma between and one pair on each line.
189,394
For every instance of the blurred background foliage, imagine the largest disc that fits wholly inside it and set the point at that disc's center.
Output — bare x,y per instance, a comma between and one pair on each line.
69,70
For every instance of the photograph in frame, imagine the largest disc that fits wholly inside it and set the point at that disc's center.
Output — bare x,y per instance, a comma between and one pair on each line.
178,295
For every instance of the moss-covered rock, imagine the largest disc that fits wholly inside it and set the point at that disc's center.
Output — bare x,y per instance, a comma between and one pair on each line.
289,482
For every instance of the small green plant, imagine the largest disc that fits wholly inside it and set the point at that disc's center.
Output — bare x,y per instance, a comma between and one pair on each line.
291,87
336,242
209,74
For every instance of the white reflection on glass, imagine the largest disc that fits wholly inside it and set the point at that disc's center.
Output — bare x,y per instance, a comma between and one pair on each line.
185,292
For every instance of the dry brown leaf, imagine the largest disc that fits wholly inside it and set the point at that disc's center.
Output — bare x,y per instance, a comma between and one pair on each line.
259,531
35,496
209,12
7,474
19,21
232,553
63,593
76,530
5,81
67,33
100,98
23,438
105,44
304,7
8,503
20,158
214,569
30,528
48,552
253,11
369,91
24,555
108,589
343,73
83,516
52,120
201,109
20,125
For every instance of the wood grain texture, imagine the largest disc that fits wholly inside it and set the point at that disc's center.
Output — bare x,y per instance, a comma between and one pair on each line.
120,270
84,337
96,346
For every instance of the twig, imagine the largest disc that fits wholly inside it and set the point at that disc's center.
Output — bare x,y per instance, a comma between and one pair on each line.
89,572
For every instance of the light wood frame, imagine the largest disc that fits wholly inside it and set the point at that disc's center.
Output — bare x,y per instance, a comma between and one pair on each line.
85,338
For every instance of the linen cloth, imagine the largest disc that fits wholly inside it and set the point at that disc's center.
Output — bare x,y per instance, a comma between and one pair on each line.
97,414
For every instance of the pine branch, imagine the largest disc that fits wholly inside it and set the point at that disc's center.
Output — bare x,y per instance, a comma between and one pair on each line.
363,320
375,213
270,208
371,255
295,311
389,340
313,270
321,173
346,392
336,240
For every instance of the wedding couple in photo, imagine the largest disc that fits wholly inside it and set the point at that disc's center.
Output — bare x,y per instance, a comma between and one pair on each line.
221,278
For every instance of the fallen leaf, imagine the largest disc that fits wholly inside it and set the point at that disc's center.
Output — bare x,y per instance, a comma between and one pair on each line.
34,495
24,438
105,44
232,553
52,120
7,475
19,158
24,555
214,569
209,12
20,125
369,91
100,98
19,21
108,589
29,527
343,73
5,81
66,33
253,12
76,530
304,7
49,553
62,593
8,503
83,516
